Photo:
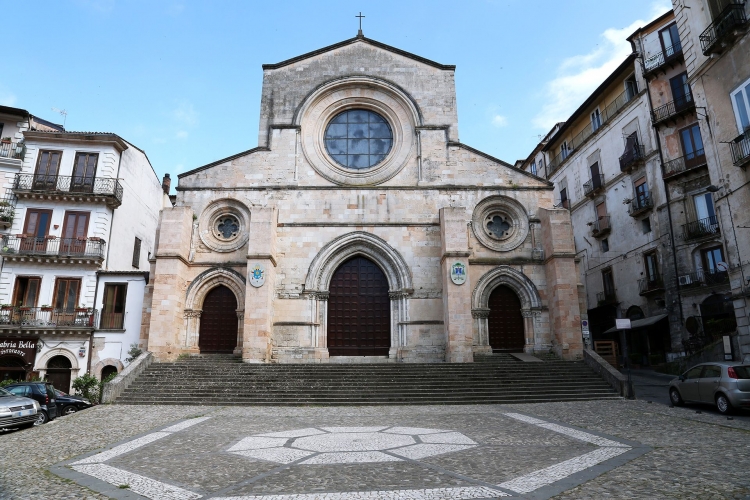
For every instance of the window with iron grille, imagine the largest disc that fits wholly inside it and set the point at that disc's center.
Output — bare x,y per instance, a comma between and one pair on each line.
137,253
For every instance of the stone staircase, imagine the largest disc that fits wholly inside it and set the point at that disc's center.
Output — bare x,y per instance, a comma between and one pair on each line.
495,379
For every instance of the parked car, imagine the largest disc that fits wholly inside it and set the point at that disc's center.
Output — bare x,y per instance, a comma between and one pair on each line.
43,393
67,403
727,385
17,411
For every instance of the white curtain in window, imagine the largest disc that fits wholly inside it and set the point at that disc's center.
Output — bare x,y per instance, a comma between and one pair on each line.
741,103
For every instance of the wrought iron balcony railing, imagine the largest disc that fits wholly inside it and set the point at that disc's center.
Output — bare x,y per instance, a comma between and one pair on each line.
672,53
92,248
683,164
632,157
7,209
601,227
650,284
12,150
741,149
112,321
594,185
64,184
606,297
640,204
724,28
48,317
701,228
673,109
703,278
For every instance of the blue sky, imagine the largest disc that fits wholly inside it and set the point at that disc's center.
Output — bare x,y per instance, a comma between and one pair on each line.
181,79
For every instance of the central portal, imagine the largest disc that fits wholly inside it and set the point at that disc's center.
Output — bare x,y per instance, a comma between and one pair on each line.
218,331
359,315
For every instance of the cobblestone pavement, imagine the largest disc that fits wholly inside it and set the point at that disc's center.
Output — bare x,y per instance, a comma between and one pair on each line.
598,449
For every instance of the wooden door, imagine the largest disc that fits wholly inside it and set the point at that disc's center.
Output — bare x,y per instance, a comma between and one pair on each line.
36,228
596,179
45,177
218,331
83,173
505,324
74,232
359,316
58,373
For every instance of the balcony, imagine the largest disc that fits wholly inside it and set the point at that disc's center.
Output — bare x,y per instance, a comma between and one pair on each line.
641,204
632,157
53,250
7,210
606,297
683,164
669,57
725,29
593,186
69,188
674,109
650,285
601,227
701,228
702,278
741,150
12,153
47,318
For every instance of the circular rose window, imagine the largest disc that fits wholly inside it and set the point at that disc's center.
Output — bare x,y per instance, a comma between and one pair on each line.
358,138
227,227
500,223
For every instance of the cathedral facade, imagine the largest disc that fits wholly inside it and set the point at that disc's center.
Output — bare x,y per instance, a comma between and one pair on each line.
362,230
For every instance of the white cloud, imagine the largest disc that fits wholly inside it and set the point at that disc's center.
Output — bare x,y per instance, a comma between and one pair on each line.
182,134
499,121
186,115
579,75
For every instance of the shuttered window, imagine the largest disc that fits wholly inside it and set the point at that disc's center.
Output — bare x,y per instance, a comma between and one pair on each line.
137,253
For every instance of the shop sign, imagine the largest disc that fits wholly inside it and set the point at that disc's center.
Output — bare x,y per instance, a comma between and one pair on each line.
25,348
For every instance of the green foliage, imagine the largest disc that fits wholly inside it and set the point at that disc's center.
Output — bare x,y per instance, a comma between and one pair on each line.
88,386
133,353
9,381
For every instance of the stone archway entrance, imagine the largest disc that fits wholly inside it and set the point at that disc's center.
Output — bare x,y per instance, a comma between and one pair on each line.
359,316
218,328
505,326
58,373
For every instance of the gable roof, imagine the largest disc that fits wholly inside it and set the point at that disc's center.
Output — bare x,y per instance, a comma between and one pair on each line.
362,39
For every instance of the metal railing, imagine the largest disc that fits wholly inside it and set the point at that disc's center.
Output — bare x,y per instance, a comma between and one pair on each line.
740,149
655,62
632,156
683,164
700,278
595,184
606,114
700,228
52,246
650,284
112,321
606,297
48,317
673,108
723,27
640,204
102,186
601,226
13,150
7,209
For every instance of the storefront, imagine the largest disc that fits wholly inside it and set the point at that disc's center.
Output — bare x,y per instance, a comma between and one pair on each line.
17,358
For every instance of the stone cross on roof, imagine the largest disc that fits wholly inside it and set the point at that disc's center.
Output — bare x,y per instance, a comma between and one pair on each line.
360,16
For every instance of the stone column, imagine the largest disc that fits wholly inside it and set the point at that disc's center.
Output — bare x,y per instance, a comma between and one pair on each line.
192,329
456,298
528,329
258,317
240,329
482,339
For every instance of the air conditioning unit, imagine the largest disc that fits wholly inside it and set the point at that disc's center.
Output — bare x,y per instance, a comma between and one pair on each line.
685,280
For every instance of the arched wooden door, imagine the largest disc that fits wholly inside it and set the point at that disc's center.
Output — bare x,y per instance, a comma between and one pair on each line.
505,324
359,313
58,373
218,331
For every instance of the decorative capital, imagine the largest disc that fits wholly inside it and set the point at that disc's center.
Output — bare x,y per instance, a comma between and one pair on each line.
192,313
322,295
526,314
397,294
480,313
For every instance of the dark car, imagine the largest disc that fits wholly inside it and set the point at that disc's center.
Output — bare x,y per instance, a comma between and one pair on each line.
41,392
67,404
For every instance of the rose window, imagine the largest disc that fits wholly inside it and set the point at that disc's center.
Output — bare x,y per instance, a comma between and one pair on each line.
358,139
498,226
227,227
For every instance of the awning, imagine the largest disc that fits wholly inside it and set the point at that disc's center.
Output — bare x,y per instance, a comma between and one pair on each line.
641,323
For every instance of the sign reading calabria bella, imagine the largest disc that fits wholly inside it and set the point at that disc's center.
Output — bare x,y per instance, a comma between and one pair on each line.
257,275
23,348
458,273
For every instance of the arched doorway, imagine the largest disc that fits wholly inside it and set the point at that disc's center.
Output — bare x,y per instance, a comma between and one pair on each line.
218,330
58,373
108,371
505,323
359,316
717,315
12,368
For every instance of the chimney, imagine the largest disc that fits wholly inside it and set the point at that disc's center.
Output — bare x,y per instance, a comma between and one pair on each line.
166,183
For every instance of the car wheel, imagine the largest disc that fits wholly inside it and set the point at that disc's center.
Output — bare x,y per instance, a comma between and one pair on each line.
675,398
69,410
723,404
41,418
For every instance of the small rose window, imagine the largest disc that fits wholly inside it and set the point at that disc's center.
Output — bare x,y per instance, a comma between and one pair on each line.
498,225
227,227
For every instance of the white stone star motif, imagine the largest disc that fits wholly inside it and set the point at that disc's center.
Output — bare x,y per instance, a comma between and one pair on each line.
346,445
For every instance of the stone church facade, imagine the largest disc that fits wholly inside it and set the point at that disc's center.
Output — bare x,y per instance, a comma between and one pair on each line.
362,229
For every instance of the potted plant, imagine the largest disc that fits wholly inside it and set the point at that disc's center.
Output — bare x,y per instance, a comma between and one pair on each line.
82,308
6,307
5,140
46,308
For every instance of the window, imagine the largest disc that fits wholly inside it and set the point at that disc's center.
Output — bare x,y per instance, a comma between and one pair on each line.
35,228
66,294
46,170
75,227
564,202
652,267
631,87
608,281
741,104
137,253
712,257
641,192
358,138
84,170
596,177
646,225
712,371
670,40
596,120
694,373
692,145
533,167
680,91
27,291
718,6
704,208
564,150
113,308
605,245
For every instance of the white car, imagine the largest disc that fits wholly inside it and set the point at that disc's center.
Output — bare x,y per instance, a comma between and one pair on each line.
17,411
